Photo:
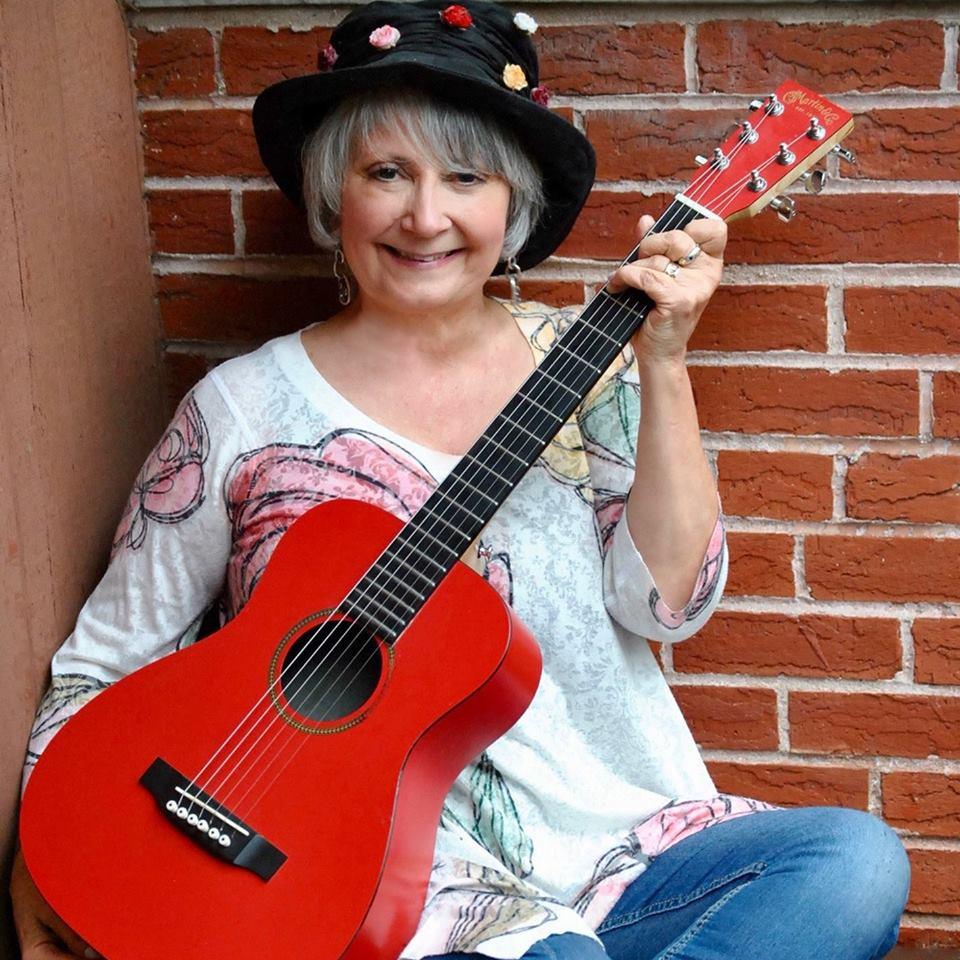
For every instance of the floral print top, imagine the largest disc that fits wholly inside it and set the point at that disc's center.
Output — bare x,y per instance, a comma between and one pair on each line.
541,833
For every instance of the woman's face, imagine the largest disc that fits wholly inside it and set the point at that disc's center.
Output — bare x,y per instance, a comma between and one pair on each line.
417,237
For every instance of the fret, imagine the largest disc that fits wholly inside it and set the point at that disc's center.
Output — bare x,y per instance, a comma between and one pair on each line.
458,479
543,373
560,346
640,314
435,516
596,329
430,536
368,599
393,558
425,556
539,406
507,451
529,433
381,568
439,493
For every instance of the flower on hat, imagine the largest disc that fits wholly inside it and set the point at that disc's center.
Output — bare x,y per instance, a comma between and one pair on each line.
524,22
514,77
327,57
456,15
385,37
540,95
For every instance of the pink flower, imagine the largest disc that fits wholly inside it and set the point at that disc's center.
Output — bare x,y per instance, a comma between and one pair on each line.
327,57
540,95
385,37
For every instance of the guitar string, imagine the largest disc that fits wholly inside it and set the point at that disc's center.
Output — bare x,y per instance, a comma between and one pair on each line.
613,307
697,185
509,425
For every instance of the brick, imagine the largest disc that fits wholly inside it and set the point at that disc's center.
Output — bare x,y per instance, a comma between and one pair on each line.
595,58
924,803
190,221
202,143
274,224
935,881
848,403
921,489
252,58
752,56
605,227
557,293
771,644
180,372
889,568
915,935
834,229
793,786
244,309
174,63
946,405
761,564
763,317
908,144
852,228
892,725
902,320
936,646
653,144
730,717
782,486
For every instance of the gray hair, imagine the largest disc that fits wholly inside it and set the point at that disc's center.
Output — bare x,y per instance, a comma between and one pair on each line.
452,137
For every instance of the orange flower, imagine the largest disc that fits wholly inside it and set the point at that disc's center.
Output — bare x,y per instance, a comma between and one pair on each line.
514,77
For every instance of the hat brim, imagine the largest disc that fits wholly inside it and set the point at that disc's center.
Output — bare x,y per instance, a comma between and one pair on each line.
285,113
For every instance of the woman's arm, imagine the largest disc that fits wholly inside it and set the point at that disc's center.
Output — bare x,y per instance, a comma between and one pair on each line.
672,508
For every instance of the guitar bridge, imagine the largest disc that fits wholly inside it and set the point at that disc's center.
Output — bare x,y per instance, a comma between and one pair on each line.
209,824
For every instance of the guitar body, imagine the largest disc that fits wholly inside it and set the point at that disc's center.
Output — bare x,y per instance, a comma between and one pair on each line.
351,804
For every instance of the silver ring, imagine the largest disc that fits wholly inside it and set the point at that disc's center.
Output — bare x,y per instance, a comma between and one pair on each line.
690,255
671,269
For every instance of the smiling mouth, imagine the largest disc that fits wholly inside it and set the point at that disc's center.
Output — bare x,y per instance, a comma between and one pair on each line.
420,257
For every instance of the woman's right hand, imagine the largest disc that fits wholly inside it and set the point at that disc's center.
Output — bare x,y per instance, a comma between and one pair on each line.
43,935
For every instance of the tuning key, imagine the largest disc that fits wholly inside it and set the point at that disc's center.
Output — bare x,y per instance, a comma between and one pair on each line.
785,207
757,184
816,130
785,155
700,160
844,154
814,180
747,133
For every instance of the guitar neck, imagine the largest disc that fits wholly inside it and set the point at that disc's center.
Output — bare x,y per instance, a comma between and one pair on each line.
392,591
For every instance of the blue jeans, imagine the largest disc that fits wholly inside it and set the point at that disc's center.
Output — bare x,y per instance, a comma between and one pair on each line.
817,883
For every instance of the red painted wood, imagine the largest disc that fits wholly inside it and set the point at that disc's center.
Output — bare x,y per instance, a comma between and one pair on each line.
356,811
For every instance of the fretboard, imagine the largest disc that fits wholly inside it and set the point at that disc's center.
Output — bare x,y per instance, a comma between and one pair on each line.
415,562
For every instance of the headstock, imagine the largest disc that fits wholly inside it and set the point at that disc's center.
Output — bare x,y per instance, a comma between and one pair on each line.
787,133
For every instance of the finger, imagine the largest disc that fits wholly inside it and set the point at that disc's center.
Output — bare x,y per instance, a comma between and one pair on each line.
710,234
660,287
643,226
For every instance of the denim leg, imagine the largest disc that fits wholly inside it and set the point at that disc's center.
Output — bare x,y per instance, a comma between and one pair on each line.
804,884
560,946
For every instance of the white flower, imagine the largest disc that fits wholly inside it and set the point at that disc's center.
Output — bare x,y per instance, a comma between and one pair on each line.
524,22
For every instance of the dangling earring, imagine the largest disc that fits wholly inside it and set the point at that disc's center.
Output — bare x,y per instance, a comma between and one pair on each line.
343,281
513,276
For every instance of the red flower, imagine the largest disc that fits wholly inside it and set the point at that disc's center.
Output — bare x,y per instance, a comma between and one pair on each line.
540,95
327,57
456,16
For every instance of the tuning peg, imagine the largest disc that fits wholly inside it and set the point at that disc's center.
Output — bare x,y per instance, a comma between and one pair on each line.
785,155
757,184
814,180
785,207
755,105
747,133
816,130
771,105
720,160
700,160
844,154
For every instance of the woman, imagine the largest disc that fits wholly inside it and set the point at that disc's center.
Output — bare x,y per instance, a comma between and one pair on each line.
427,160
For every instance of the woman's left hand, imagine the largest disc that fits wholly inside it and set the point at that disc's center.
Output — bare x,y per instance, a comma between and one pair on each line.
679,299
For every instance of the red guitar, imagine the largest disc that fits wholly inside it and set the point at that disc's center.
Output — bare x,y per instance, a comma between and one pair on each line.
276,789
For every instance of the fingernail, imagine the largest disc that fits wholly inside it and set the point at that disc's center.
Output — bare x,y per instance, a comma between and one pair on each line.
90,953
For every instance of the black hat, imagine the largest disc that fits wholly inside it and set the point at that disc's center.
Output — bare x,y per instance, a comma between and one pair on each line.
476,54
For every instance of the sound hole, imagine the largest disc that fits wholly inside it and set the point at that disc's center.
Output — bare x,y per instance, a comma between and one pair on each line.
331,670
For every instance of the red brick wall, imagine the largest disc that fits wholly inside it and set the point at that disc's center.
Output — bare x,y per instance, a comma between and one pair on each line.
825,370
